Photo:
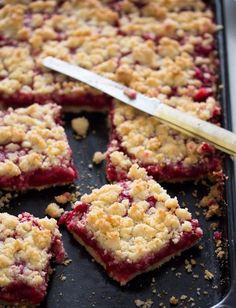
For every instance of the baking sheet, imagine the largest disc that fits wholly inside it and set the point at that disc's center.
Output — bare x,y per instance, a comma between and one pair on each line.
84,283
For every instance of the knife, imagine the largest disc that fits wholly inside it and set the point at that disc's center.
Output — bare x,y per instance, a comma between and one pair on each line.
221,138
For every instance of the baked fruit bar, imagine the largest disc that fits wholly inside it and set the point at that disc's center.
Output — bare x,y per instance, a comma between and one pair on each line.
155,47
27,245
34,151
132,226
167,155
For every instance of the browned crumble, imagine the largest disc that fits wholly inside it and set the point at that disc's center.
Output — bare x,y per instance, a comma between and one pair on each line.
53,210
98,157
183,297
211,201
219,250
188,266
5,199
214,225
143,304
62,277
80,126
208,275
64,198
173,300
67,262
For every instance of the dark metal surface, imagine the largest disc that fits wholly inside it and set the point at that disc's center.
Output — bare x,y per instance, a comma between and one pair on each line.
86,283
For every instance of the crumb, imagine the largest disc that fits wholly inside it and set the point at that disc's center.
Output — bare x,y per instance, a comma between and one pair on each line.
90,166
5,199
193,262
132,94
143,304
80,126
183,297
211,202
66,262
200,247
62,277
98,157
214,225
64,198
53,210
208,275
173,300
188,266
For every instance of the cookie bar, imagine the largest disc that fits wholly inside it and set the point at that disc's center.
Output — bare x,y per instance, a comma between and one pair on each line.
166,154
131,227
34,151
27,245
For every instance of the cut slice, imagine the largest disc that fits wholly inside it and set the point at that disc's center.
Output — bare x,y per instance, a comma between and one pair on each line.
34,151
132,226
166,154
27,247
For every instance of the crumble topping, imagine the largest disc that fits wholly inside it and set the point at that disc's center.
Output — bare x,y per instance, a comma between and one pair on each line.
25,240
31,139
80,126
136,217
150,141
53,210
140,46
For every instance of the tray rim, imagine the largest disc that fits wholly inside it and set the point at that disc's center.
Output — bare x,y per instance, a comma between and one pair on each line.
230,298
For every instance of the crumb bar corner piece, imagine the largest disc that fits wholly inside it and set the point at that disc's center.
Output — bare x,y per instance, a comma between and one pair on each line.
166,154
34,150
27,246
131,227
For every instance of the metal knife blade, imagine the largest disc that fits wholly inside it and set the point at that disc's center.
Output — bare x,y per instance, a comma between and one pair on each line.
181,121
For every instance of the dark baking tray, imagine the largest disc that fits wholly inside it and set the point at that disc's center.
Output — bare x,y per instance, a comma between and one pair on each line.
86,283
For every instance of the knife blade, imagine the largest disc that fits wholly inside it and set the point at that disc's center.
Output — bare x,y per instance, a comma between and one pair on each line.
181,121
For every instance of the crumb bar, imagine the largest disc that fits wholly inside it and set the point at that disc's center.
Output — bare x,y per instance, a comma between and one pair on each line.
27,245
34,151
132,226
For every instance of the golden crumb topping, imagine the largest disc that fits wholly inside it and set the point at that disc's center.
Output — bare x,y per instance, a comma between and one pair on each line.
136,217
152,142
140,46
25,244
31,139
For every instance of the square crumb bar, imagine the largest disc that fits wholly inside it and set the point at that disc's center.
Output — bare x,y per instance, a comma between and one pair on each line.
27,245
131,227
34,151
156,47
166,154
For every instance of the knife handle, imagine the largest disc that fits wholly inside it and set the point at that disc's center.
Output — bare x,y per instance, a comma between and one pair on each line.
187,124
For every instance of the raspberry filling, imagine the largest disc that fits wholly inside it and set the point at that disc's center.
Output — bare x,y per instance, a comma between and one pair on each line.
39,178
210,161
124,270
